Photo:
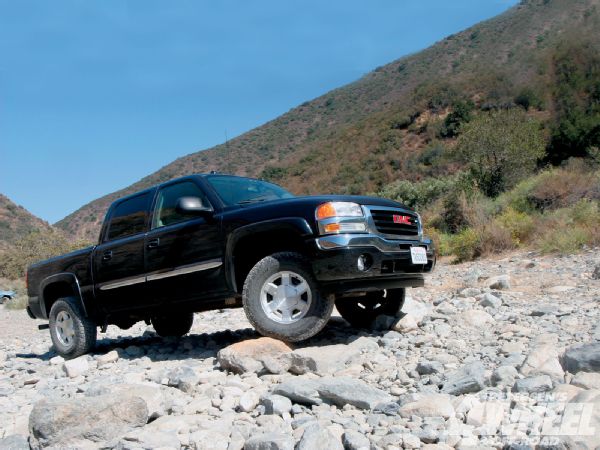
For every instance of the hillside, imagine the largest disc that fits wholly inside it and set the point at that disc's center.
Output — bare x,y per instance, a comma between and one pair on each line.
389,124
16,222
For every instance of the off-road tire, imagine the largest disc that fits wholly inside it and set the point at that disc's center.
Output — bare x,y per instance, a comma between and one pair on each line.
361,312
173,325
85,330
319,310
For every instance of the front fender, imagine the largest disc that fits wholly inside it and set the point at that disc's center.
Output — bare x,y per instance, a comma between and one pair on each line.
296,225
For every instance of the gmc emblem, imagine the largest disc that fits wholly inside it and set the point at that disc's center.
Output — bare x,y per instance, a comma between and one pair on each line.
403,220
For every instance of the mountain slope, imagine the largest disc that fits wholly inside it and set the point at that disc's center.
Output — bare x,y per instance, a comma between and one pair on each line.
378,129
16,222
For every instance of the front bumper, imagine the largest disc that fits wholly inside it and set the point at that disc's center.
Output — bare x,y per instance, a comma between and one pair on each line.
336,269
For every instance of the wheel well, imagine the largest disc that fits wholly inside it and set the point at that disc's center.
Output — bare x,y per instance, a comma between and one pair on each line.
254,247
54,291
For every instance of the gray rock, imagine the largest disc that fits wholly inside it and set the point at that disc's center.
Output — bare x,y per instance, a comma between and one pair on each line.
543,360
14,442
322,360
541,383
211,439
429,367
75,367
469,292
353,440
490,300
276,404
338,391
504,376
107,358
248,401
315,437
343,391
475,318
586,380
151,394
149,440
388,408
270,441
300,390
499,282
97,419
183,378
428,405
596,272
469,378
582,358
544,310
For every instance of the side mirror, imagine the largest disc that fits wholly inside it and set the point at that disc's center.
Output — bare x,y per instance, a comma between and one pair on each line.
192,205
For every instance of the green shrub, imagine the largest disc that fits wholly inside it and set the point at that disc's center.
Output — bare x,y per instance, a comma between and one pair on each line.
501,148
417,195
465,245
519,224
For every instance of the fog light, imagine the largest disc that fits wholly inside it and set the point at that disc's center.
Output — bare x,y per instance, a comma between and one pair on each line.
364,262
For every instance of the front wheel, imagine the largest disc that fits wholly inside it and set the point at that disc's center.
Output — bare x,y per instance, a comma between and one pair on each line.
71,332
362,311
281,299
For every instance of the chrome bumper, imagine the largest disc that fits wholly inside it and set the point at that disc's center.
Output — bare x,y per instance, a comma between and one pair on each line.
339,241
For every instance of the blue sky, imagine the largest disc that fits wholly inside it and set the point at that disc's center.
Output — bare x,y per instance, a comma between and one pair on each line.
94,95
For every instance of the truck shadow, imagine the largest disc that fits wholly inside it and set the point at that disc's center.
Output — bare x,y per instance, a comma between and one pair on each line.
205,345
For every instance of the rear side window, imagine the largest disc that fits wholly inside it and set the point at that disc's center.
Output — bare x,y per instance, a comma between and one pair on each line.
129,217
166,204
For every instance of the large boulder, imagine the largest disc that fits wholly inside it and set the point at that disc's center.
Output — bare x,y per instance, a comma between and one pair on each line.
582,358
337,391
152,394
327,359
255,355
78,421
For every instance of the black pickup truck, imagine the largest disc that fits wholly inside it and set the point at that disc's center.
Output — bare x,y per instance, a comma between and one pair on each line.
216,241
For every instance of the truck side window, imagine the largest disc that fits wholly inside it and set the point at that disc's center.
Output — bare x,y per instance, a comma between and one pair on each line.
165,212
129,217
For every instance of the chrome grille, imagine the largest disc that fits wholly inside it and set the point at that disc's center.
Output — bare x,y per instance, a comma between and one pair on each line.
405,223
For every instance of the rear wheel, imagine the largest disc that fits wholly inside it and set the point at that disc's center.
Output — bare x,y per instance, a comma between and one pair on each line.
362,311
71,332
176,325
281,299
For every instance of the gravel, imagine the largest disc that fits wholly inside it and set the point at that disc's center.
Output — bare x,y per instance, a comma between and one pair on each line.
498,353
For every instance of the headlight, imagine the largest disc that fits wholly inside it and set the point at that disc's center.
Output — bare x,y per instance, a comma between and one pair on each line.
340,217
339,209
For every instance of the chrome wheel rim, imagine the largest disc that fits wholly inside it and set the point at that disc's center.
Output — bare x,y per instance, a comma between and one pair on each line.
285,297
65,328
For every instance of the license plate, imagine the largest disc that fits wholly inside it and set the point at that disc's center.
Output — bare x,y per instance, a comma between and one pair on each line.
418,255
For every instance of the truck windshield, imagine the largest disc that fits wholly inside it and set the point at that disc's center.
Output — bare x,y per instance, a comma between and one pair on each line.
239,191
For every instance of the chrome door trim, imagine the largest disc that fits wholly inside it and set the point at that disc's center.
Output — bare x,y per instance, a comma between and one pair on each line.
181,270
189,268
122,283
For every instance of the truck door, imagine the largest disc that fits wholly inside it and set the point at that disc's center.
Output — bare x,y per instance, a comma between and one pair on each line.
118,262
184,252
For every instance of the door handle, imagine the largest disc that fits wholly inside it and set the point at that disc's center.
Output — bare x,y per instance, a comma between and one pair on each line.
153,243
107,255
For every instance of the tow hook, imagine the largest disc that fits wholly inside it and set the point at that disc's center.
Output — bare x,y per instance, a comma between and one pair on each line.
44,326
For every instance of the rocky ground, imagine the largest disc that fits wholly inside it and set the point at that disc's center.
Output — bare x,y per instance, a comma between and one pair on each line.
495,353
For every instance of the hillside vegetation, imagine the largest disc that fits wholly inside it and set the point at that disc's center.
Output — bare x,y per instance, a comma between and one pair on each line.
16,222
